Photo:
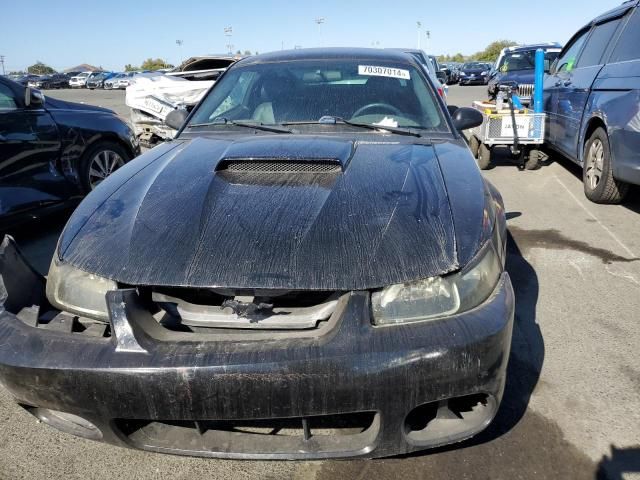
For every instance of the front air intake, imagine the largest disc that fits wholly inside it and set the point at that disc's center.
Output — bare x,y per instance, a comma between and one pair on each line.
279,166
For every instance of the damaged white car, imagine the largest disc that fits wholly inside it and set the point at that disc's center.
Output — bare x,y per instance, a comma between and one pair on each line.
152,97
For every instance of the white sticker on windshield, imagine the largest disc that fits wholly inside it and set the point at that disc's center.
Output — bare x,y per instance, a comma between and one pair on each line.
383,72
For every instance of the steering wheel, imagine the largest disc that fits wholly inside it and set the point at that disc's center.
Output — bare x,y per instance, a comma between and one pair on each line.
371,106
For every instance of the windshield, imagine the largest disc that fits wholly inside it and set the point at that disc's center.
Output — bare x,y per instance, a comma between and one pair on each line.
395,95
474,66
517,61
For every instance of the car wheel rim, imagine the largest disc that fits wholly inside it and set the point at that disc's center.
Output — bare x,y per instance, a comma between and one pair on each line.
595,163
103,164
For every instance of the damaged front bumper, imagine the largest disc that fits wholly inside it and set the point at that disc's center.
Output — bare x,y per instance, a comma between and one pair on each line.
352,390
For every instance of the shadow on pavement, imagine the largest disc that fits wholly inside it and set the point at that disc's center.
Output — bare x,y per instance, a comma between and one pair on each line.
527,345
622,461
37,239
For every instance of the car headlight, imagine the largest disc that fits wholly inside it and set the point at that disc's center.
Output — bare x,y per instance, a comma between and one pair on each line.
78,292
462,74
484,73
438,297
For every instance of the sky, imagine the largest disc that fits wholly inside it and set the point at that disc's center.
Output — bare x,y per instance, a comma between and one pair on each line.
112,33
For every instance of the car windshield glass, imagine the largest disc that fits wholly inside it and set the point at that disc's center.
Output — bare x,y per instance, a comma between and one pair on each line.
373,92
473,66
525,60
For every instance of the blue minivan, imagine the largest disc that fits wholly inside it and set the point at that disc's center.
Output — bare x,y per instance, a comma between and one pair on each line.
592,101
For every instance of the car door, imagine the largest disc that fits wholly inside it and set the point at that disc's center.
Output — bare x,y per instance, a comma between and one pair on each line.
575,85
29,147
553,83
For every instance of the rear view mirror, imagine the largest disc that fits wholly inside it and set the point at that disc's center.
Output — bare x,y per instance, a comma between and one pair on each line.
33,98
176,118
465,118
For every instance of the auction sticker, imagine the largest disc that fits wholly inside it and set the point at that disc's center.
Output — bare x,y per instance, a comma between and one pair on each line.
383,72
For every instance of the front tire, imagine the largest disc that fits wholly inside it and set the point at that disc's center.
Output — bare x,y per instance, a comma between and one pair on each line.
100,161
597,172
484,157
474,145
534,160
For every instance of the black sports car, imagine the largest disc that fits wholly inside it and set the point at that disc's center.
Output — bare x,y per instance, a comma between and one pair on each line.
53,152
313,268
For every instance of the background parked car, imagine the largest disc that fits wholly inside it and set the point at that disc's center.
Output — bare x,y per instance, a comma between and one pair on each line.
109,83
452,72
57,80
52,152
123,80
517,66
25,79
80,80
97,81
591,98
430,64
474,73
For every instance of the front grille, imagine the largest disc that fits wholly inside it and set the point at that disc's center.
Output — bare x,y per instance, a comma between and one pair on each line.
525,90
202,310
344,434
280,166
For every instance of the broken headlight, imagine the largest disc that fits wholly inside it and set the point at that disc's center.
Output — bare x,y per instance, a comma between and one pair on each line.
78,292
438,297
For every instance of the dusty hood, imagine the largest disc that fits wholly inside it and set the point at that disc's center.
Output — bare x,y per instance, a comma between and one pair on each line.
379,216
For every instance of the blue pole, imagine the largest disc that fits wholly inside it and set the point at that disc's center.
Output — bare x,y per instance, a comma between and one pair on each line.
538,82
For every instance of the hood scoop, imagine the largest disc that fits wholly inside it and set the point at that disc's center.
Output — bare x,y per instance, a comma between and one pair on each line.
277,165
302,154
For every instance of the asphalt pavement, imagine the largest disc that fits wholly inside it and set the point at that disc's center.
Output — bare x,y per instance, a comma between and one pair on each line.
572,402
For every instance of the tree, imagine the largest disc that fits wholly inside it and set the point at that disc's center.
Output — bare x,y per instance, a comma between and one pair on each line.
238,52
40,68
130,68
154,64
490,54
458,57
247,52
19,72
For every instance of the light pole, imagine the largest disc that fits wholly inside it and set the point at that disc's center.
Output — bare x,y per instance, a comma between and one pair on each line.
428,32
2,63
228,32
320,21
179,43
419,24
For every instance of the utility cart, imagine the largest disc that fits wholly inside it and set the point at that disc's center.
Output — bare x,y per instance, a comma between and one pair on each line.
498,130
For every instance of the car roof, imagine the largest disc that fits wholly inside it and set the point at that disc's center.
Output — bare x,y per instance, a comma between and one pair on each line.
337,53
524,48
615,11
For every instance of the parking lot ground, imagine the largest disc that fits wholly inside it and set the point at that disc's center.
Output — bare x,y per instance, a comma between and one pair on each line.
571,408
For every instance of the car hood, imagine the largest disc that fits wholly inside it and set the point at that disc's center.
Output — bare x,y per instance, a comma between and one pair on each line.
203,213
56,104
474,71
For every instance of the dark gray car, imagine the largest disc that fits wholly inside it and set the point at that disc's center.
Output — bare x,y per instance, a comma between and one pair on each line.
591,97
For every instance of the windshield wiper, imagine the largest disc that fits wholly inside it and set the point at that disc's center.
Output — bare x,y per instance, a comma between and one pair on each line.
329,119
254,125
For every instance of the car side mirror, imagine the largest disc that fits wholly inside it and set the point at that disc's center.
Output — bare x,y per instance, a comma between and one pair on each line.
442,76
553,67
33,98
465,118
176,118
